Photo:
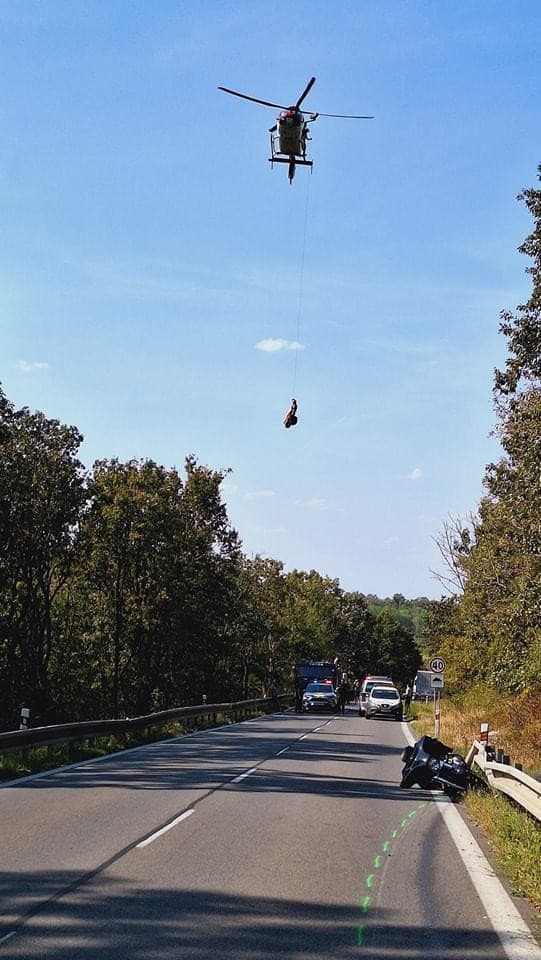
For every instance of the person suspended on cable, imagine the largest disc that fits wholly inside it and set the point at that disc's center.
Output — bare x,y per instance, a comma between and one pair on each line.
290,418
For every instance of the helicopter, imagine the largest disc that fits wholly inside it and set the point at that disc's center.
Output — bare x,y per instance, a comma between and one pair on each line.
290,133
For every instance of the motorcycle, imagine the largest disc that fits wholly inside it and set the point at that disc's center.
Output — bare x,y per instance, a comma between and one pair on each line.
434,766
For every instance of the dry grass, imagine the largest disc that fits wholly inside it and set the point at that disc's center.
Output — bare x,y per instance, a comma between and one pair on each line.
515,723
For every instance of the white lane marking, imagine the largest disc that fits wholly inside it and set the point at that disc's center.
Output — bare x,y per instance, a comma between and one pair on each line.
304,737
280,752
244,775
8,936
168,826
516,939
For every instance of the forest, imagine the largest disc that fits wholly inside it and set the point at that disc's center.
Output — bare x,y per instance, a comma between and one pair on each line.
488,627
124,588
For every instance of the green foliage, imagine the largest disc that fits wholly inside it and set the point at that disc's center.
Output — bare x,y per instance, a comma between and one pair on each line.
411,614
42,494
494,634
125,591
395,652
515,839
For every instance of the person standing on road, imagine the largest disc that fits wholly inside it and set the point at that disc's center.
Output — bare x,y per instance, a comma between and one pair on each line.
407,698
342,695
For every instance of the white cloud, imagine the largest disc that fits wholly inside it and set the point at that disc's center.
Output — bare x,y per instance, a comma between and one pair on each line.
257,494
273,345
23,366
316,503
229,488
390,541
415,474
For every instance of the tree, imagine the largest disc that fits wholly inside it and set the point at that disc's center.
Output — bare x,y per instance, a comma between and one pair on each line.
153,583
395,652
523,330
454,543
501,609
313,615
42,493
356,644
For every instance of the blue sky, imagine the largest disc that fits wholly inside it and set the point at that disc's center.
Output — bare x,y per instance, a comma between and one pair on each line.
150,256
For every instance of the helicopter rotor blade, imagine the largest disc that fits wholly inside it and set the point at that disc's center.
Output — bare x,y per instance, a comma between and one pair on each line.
244,96
344,116
306,92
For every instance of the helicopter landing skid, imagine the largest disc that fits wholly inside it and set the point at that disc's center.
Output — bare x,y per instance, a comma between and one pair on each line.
302,163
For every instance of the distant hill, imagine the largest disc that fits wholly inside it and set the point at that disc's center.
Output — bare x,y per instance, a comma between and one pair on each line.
411,614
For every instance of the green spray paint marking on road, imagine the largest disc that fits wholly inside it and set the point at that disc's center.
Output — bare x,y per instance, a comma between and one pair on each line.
366,901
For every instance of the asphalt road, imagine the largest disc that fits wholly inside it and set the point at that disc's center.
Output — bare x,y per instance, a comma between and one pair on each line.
284,837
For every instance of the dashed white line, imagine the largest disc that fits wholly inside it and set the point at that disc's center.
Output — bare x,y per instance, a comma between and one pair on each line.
280,752
168,826
244,775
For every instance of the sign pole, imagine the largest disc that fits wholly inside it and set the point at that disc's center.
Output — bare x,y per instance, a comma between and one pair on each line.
437,665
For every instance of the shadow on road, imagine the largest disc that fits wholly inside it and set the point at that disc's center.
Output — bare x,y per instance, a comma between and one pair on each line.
211,760
114,919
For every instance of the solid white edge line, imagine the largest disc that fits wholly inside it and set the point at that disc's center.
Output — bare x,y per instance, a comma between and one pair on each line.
516,939
168,826
280,752
514,934
244,775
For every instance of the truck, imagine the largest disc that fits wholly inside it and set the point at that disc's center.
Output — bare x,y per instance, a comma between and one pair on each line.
308,670
422,686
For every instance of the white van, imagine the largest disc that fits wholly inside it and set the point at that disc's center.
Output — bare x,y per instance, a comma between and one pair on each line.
371,680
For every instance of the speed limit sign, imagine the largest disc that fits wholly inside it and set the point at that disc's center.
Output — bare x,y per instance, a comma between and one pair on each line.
437,664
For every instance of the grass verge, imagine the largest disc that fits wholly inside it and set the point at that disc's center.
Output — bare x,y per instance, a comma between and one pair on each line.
514,835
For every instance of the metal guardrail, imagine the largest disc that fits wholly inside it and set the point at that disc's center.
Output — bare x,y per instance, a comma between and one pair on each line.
89,729
522,788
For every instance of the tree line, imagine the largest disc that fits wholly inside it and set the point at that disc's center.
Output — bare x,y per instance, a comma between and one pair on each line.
489,627
124,589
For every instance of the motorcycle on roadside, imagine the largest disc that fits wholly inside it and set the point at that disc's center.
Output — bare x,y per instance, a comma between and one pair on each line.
432,765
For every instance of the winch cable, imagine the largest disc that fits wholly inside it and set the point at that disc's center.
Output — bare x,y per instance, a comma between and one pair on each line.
301,286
